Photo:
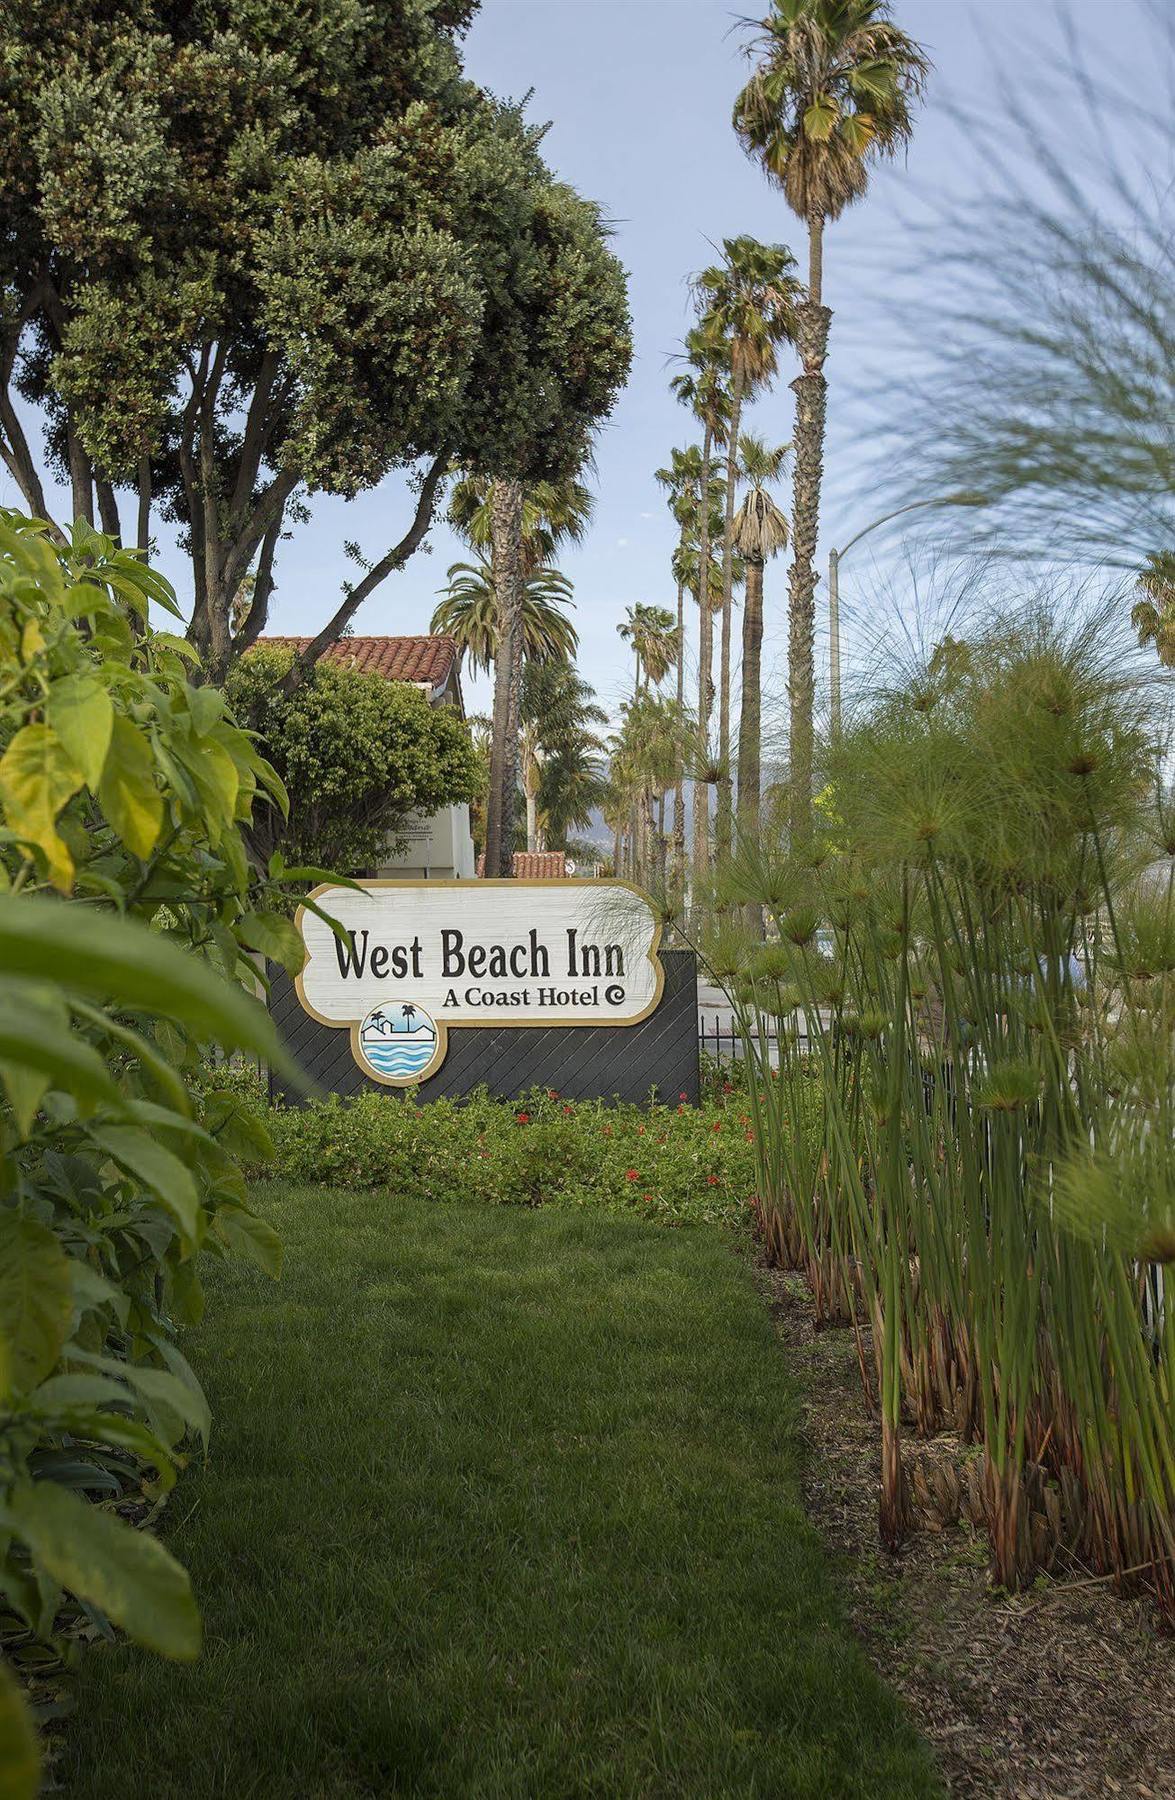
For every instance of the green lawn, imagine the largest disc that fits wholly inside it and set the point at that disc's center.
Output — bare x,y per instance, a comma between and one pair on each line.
499,1503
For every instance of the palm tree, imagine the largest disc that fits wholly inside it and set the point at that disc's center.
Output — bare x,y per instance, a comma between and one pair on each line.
1153,616
832,88
704,389
409,1012
522,528
752,297
682,479
655,640
468,612
760,531
553,513
562,776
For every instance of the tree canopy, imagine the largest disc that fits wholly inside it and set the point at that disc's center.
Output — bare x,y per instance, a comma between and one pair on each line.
256,253
357,753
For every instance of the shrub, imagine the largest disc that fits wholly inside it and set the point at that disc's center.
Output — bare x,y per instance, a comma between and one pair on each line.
128,916
679,1164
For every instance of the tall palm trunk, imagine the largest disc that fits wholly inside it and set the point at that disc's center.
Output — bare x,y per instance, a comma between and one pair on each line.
507,557
701,858
750,727
679,757
722,826
810,389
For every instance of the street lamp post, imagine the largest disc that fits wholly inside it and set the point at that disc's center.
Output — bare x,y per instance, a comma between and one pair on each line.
835,557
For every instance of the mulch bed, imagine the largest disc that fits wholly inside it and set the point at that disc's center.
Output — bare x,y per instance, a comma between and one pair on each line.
1061,1693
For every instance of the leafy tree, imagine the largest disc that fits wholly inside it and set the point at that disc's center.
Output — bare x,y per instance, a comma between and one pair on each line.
128,919
554,513
255,253
760,532
752,297
832,88
468,612
356,752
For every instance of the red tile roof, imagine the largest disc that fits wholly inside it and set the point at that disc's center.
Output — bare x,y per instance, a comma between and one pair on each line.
534,865
423,659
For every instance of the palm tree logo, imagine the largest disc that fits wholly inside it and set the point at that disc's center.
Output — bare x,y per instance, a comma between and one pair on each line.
409,1012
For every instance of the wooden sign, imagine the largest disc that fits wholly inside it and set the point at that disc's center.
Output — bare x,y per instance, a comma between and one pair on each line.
421,958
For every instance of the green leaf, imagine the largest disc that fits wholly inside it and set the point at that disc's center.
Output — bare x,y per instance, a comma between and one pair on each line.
820,119
275,936
128,792
252,1237
31,1039
165,1175
122,960
126,1573
37,777
82,714
145,1053
177,1403
36,1302
92,1291
20,1755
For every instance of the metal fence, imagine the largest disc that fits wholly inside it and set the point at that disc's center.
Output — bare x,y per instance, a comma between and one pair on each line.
720,1039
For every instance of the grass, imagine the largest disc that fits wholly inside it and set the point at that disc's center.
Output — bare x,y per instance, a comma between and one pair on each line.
500,1503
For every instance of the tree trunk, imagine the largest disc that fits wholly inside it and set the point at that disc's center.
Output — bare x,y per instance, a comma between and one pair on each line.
810,389
679,755
507,557
750,712
532,819
80,477
723,826
750,731
701,858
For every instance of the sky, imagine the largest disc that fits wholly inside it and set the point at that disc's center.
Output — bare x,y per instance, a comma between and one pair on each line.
638,94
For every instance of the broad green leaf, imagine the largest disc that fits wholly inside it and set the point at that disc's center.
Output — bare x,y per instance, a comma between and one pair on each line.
36,1302
177,1403
275,936
215,774
128,792
146,1054
81,712
37,777
121,960
820,119
20,1755
165,1175
32,1040
252,1237
26,1088
91,1291
206,705
126,1573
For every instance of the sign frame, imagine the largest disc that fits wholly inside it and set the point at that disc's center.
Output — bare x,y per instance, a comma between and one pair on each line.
479,884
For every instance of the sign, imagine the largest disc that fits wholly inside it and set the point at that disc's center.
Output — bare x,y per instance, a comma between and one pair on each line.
421,958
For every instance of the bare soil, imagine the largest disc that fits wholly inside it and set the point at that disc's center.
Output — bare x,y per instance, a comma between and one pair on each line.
1062,1693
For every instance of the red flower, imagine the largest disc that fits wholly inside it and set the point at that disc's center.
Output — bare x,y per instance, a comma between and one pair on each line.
713,1180
728,1087
523,1118
716,1126
632,1174
750,1137
568,1109
683,1096
640,1131
552,1093
681,1109
646,1196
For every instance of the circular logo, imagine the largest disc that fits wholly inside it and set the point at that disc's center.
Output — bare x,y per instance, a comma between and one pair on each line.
398,1040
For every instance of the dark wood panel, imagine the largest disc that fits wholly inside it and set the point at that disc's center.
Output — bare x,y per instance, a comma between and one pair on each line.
582,1062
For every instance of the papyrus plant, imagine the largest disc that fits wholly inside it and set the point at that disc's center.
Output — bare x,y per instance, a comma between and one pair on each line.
981,956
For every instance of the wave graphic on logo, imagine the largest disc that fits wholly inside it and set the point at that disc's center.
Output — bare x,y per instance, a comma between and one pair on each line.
398,1041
